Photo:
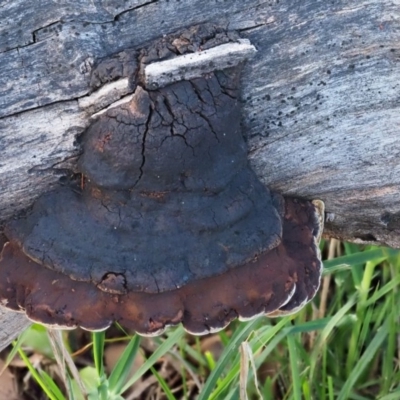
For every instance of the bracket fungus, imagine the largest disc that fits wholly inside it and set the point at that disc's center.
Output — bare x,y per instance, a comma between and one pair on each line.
171,225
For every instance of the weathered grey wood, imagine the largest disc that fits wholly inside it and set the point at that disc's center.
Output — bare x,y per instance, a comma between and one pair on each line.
321,102
11,324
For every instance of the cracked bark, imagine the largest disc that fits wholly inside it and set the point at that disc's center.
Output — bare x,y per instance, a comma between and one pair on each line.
320,98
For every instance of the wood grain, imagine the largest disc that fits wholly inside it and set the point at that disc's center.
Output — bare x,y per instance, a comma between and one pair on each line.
11,324
321,105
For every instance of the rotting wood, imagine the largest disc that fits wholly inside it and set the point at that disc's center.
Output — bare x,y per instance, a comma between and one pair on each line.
11,324
320,97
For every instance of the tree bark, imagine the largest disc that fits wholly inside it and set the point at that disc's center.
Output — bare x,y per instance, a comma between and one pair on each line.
321,103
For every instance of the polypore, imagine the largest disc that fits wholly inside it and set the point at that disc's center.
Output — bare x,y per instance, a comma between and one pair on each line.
171,225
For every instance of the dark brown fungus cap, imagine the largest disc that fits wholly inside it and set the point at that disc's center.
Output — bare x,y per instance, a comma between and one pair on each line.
275,282
172,226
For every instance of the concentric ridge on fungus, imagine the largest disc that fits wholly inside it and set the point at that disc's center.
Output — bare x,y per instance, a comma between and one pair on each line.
171,226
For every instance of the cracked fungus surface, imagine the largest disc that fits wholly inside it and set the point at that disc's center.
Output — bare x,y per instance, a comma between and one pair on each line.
172,226
169,197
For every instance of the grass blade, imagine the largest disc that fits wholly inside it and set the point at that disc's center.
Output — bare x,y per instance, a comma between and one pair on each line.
230,351
44,385
98,351
362,363
168,343
16,346
163,384
51,385
261,338
361,257
294,360
244,371
122,368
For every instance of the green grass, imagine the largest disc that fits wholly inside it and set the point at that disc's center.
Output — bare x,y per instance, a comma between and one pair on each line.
344,345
